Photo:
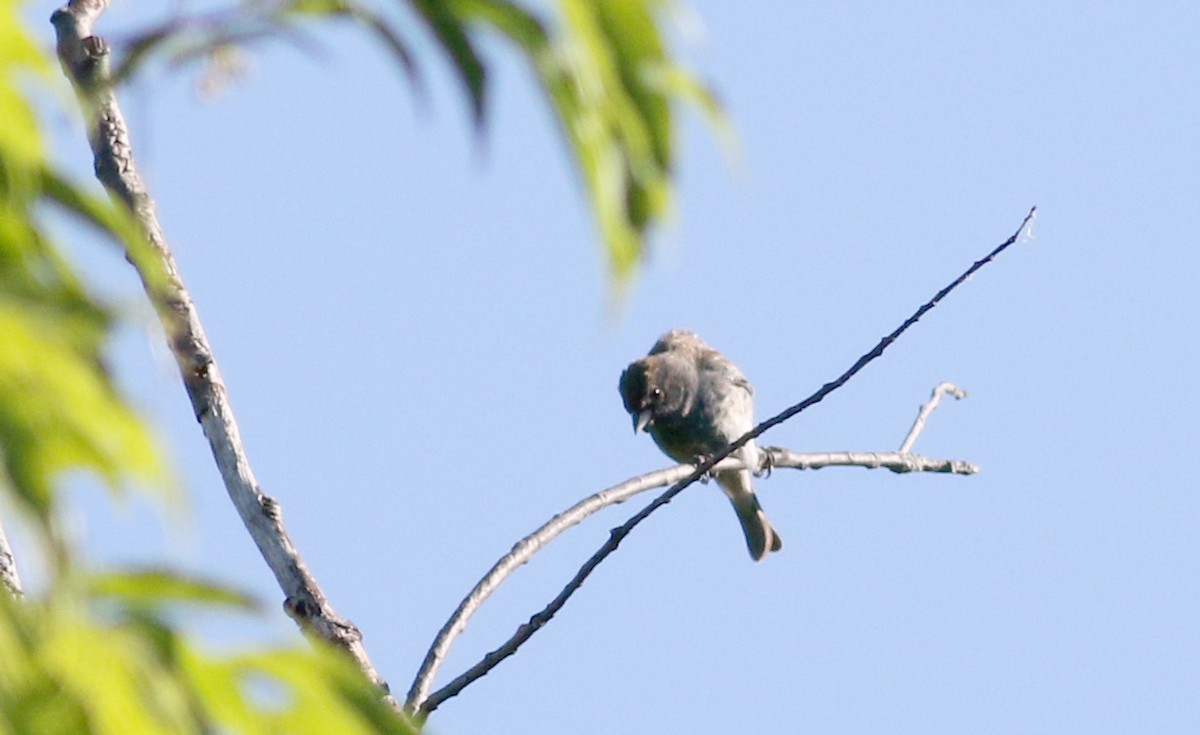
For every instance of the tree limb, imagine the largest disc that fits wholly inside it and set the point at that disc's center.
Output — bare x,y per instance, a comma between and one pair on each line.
423,706
524,549
8,568
85,61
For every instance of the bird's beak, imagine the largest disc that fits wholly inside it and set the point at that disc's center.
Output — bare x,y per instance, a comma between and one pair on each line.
641,420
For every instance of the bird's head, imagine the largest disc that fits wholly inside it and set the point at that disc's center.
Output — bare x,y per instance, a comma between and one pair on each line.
658,387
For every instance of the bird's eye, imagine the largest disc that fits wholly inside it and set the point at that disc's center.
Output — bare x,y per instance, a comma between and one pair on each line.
656,393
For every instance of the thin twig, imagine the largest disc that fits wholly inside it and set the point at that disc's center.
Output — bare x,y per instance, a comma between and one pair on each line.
923,415
542,617
899,462
8,568
524,549
85,60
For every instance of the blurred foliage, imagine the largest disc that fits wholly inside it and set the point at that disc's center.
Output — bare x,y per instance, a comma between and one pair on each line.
97,653
602,64
75,662
100,653
59,409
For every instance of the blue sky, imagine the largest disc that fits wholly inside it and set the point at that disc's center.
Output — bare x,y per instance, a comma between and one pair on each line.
418,340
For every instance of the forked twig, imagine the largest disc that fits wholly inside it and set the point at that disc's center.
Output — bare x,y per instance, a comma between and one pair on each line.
524,632
525,549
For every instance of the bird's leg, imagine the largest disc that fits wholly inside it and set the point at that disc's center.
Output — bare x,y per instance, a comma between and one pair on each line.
766,463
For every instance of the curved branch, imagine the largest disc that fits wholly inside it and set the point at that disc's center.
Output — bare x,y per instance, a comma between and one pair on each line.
85,61
419,697
523,550
539,619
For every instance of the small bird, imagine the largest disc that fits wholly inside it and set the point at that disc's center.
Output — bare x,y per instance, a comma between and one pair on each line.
694,402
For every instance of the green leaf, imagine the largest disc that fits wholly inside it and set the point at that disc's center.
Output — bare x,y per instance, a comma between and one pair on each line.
630,32
63,670
66,672
618,124
58,408
152,588
603,64
115,677
609,79
510,20
294,691
19,56
606,72
374,22
78,677
450,33
603,70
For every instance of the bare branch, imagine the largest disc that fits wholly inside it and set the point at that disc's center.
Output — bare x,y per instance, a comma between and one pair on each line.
523,551
8,568
898,462
85,61
923,415
419,697
539,619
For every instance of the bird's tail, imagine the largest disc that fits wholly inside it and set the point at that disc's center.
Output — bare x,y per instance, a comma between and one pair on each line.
760,534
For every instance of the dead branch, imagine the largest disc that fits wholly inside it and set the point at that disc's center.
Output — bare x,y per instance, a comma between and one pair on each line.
524,549
425,705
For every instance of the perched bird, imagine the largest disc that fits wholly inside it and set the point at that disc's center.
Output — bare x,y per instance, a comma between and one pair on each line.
695,402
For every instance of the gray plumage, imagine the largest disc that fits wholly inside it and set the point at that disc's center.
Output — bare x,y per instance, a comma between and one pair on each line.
694,402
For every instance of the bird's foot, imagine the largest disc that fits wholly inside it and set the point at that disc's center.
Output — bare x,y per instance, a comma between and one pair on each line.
766,463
